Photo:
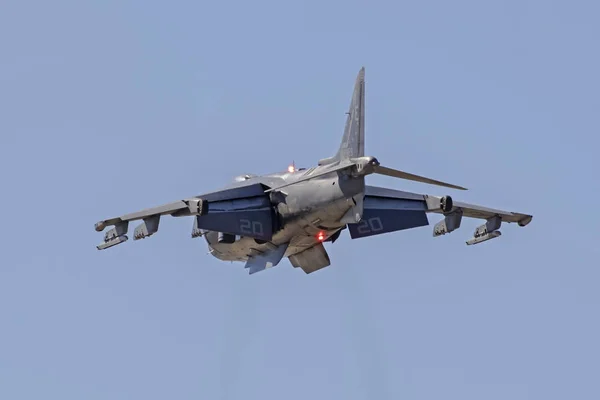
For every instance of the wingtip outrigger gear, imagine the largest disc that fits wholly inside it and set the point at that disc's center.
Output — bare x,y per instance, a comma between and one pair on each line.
525,221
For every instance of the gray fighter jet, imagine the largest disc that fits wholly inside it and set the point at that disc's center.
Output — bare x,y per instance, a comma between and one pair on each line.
260,220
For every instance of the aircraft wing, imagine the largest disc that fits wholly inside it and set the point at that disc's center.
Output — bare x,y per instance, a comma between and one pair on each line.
166,209
242,210
387,210
480,212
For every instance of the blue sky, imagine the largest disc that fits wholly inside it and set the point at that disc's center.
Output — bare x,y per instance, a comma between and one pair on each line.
109,107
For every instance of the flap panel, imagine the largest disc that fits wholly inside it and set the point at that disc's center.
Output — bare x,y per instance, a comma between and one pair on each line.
258,223
384,214
251,216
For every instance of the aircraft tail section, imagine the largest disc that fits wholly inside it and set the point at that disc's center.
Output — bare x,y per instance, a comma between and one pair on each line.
353,141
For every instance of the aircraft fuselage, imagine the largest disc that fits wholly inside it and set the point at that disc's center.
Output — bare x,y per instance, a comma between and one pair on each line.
308,212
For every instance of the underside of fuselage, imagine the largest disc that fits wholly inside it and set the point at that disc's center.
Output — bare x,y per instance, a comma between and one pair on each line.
299,235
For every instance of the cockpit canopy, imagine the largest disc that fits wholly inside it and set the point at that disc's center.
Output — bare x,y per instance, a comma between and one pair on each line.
244,177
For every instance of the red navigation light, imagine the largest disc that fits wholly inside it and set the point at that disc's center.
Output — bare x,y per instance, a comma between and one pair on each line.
321,236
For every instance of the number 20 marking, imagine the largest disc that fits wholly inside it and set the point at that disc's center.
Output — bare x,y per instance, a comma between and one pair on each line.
248,227
373,224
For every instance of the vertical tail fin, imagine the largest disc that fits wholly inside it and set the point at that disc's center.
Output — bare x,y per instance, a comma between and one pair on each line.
353,141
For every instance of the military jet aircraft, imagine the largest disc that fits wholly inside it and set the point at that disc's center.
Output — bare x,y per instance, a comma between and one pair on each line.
260,220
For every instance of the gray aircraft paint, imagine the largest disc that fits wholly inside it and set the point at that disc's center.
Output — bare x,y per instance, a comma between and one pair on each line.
261,219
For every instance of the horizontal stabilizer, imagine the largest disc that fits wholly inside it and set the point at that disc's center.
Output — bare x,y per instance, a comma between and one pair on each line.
381,170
